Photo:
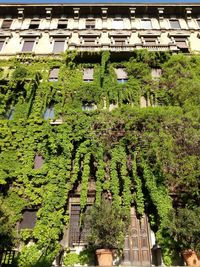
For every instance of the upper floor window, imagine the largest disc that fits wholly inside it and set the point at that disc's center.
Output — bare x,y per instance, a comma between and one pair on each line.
90,24
88,75
53,75
28,45
198,22
150,40
34,24
62,24
156,73
38,161
58,46
181,43
118,24
146,24
119,41
89,41
88,106
28,220
122,76
49,112
174,24
6,24
10,113
1,44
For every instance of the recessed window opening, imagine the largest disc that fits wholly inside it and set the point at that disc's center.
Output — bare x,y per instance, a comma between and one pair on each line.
88,74
53,75
88,106
34,24
118,24
174,24
29,219
49,112
122,76
1,44
28,45
62,24
58,46
6,24
38,162
146,24
90,24
10,113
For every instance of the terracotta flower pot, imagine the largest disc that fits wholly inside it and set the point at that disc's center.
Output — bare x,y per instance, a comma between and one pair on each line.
104,257
191,258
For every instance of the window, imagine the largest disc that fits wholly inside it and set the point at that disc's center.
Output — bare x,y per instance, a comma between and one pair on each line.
77,234
90,24
62,24
118,24
87,106
88,74
28,45
156,73
49,112
174,24
58,46
89,41
181,43
1,44
34,24
10,113
119,41
53,75
150,40
198,22
6,24
146,24
38,161
121,75
29,219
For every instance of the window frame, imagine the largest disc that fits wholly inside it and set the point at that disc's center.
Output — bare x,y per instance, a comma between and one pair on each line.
6,21
89,25
62,22
34,22
143,26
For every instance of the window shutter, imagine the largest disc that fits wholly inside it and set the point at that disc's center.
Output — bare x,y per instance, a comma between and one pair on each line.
121,73
88,74
54,74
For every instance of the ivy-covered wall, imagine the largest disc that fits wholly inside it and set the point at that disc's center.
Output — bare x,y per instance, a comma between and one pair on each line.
147,157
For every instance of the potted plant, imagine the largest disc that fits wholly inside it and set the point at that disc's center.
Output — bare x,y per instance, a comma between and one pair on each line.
107,227
184,229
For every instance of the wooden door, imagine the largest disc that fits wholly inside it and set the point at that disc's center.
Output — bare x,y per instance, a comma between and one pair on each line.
137,246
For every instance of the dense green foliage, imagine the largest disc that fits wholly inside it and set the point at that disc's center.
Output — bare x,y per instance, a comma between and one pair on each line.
141,156
107,226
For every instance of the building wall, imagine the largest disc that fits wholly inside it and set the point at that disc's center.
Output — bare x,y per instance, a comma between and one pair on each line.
148,28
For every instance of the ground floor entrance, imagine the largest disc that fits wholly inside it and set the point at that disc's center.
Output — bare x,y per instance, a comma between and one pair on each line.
137,242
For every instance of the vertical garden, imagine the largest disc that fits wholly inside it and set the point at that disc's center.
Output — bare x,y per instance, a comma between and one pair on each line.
147,157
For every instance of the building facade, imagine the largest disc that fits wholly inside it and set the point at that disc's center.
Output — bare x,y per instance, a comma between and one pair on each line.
41,92
51,29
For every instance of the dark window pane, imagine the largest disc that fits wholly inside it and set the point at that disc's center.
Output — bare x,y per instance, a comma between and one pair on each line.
76,233
175,24
1,44
58,46
62,24
28,46
38,161
29,220
34,24
6,24
90,24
